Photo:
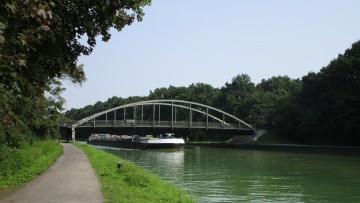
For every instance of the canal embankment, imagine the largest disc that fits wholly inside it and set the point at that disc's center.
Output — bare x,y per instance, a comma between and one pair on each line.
331,150
122,181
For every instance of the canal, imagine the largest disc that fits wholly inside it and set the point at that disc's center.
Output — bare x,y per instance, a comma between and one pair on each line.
233,175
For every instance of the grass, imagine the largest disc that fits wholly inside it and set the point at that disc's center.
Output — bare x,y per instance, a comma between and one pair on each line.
130,183
272,138
19,166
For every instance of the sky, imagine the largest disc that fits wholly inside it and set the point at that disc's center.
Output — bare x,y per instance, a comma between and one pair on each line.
183,42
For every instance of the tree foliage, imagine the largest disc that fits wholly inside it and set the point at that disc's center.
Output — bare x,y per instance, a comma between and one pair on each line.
40,42
235,96
327,109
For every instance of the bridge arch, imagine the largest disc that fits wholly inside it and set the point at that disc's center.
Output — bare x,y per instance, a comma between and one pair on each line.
188,105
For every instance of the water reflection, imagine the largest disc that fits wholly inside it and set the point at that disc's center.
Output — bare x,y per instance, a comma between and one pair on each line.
230,175
168,163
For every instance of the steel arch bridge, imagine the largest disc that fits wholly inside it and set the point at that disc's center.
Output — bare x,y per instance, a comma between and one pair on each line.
214,118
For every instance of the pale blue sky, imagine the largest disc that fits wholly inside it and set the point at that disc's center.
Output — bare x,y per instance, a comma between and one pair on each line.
183,42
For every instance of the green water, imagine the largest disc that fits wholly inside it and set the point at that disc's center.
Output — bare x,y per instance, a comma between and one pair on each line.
232,175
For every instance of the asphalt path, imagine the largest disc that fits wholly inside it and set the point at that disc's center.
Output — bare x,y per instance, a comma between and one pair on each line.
70,179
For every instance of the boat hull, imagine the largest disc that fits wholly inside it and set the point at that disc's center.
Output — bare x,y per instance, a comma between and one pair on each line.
137,144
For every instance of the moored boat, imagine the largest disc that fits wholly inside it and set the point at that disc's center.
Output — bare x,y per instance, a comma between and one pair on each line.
137,142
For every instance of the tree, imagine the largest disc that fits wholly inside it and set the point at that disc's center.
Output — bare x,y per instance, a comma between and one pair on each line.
40,42
40,39
204,93
235,96
269,93
280,86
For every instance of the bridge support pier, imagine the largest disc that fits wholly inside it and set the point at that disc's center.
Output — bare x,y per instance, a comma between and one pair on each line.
72,134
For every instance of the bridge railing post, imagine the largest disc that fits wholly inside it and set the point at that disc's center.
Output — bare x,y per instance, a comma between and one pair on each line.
207,118
190,117
159,115
172,115
223,122
124,115
142,114
115,119
134,116
153,115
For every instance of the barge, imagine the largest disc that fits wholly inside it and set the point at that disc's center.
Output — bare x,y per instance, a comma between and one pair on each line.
137,142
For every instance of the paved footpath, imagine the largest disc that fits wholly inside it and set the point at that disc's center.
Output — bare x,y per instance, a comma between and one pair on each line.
70,179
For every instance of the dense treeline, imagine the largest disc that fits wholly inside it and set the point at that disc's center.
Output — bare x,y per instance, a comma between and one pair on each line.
320,108
327,109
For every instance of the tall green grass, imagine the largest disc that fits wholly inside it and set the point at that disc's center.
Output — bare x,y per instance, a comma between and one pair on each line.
130,184
18,166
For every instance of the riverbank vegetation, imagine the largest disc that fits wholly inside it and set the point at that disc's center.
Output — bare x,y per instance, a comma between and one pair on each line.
272,137
18,166
130,183
40,42
320,108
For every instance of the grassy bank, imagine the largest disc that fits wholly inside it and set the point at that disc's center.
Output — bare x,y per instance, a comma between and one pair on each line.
271,137
130,184
18,166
